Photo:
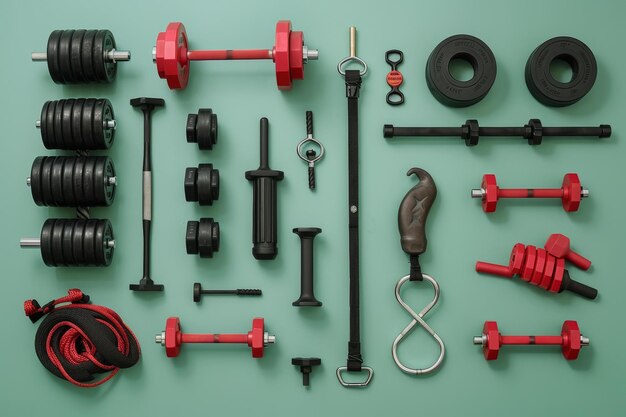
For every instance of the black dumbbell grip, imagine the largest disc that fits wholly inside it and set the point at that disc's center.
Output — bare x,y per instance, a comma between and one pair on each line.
577,287
389,131
602,131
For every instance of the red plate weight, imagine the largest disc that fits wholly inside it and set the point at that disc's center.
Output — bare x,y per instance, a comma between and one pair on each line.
548,272
559,270
172,337
171,55
529,263
281,53
571,345
490,198
571,192
256,337
516,263
296,56
540,265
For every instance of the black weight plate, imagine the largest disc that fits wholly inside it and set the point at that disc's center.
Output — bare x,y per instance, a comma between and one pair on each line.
205,238
58,124
46,242
108,237
104,234
46,186
98,181
50,140
98,56
56,181
450,91
87,54
77,242
108,189
68,181
65,64
107,115
77,126
110,67
89,244
204,130
68,135
68,242
191,184
43,127
203,184
35,180
191,237
79,191
57,242
98,124
551,92
88,180
52,57
76,48
87,126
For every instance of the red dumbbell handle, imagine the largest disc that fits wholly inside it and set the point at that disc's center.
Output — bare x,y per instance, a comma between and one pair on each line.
214,338
530,193
494,269
531,340
226,54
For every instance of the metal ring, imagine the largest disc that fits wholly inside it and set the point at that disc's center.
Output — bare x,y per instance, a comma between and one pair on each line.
348,60
303,157
342,369
417,318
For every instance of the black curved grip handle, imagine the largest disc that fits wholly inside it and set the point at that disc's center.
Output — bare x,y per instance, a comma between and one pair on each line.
413,213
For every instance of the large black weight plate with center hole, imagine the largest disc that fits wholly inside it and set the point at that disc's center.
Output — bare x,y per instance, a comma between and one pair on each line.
77,126
89,244
65,64
77,242
68,182
68,241
450,91
50,140
540,81
76,59
88,179
110,67
57,242
87,124
43,126
68,135
56,182
104,234
52,52
87,54
46,242
98,56
35,180
58,124
46,186
103,164
79,192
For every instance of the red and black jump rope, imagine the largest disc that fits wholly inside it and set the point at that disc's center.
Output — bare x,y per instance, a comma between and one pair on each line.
78,340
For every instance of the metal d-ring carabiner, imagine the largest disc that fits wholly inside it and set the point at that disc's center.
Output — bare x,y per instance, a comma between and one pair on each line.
352,57
417,318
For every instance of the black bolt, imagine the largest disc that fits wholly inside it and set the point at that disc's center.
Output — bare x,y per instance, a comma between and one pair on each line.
198,292
534,132
306,367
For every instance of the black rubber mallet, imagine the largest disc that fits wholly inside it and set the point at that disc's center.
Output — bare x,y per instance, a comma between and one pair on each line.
147,105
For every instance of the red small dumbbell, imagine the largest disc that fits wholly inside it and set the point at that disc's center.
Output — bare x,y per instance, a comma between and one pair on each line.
172,56
559,245
570,340
172,338
538,267
570,193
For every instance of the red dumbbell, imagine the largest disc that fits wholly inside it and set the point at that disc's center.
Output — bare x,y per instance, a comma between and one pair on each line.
173,338
570,193
538,267
559,245
570,340
172,56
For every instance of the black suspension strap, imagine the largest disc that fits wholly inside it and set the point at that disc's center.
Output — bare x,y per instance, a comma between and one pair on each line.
353,80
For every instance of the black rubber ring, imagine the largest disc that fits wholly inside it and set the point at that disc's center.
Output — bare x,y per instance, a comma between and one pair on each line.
542,84
450,91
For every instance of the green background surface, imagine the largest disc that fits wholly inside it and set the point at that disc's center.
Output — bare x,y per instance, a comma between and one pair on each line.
224,379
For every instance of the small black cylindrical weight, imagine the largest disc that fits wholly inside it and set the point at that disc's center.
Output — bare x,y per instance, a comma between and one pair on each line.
202,184
264,207
73,181
77,242
202,237
201,128
72,124
307,295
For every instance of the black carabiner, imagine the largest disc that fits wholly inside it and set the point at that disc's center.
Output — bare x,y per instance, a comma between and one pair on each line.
394,77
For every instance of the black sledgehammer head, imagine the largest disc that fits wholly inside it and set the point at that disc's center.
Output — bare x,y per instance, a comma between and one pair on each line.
264,208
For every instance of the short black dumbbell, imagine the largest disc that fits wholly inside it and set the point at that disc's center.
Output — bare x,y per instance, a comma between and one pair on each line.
82,123
202,184
72,181
74,242
203,237
81,56
202,129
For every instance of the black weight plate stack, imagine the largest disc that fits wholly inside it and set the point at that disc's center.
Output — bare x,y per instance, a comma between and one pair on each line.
551,92
76,242
72,181
52,52
202,128
77,124
450,91
203,237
